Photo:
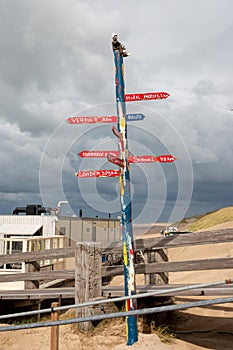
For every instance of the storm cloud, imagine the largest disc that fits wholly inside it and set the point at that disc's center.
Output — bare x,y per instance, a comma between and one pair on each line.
56,61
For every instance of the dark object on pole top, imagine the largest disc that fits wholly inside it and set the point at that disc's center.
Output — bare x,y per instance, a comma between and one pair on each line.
116,45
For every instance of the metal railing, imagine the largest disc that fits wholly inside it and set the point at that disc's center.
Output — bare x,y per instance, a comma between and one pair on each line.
118,314
114,300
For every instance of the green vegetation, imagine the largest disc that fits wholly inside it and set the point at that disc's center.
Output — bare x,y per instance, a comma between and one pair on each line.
211,219
165,333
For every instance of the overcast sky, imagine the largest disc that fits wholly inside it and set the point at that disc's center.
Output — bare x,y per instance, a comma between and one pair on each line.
56,61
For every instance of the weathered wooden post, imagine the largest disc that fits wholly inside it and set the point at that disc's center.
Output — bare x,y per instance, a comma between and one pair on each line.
32,266
158,255
88,282
54,340
159,278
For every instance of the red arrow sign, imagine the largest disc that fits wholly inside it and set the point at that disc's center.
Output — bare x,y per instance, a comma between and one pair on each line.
97,154
146,96
167,158
91,120
150,159
142,159
98,173
116,160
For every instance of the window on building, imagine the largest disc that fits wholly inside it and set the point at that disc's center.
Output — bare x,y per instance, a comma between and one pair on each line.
62,231
17,247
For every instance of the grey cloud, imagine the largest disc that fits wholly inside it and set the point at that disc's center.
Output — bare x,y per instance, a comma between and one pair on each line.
56,61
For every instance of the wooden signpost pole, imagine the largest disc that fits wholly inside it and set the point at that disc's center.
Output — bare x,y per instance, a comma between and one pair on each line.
125,195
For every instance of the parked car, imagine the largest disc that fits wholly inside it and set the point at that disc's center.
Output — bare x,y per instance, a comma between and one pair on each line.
170,231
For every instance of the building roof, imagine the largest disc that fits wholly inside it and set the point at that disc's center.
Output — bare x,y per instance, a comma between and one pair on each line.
19,229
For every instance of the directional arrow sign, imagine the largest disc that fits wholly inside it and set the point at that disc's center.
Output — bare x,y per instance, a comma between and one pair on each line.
97,154
116,160
134,117
103,119
150,159
91,120
146,96
167,158
98,173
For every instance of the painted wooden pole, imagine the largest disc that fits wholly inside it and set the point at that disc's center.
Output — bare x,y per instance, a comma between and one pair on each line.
125,196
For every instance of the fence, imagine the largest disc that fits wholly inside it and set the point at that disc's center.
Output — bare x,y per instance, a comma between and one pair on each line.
14,247
89,269
154,264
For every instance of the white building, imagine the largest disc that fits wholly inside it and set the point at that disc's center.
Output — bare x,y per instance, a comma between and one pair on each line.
25,233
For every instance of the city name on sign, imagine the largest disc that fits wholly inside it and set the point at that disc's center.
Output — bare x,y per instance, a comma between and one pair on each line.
92,120
150,159
146,96
134,117
98,173
103,119
97,154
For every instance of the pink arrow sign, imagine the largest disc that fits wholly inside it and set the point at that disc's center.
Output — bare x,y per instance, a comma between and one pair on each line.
91,120
146,96
150,159
97,154
98,173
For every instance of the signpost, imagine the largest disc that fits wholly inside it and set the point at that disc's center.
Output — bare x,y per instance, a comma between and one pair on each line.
134,117
102,119
98,173
167,158
97,154
116,160
150,159
146,96
122,158
125,197
91,120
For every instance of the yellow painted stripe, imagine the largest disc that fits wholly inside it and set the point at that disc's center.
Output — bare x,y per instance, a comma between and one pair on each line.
125,254
121,186
122,122
126,328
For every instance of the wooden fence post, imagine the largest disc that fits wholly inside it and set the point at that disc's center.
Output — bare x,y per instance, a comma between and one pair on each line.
88,281
32,266
54,340
151,256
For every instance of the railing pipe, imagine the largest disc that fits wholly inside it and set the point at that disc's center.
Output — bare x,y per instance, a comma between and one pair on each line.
118,314
114,300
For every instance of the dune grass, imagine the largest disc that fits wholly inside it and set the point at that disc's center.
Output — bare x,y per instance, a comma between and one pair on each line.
214,218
